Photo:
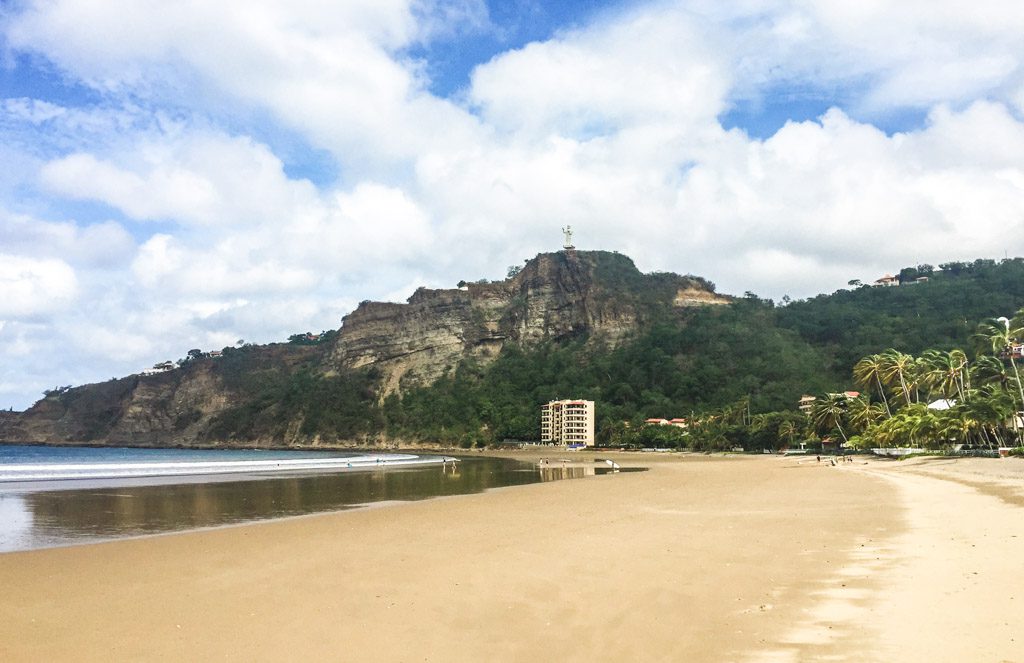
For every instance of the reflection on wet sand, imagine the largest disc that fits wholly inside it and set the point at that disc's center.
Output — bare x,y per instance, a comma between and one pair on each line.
41,518
556,470
559,472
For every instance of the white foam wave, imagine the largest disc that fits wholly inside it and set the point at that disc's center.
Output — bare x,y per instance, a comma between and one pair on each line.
68,471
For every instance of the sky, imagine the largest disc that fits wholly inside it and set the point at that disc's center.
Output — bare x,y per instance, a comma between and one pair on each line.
191,174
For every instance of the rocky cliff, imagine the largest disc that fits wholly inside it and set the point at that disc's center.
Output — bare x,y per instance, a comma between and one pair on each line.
598,296
555,296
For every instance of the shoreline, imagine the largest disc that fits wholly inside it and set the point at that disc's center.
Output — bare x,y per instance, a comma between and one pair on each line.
382,504
700,558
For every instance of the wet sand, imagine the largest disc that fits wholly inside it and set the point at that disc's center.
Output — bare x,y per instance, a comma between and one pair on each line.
698,559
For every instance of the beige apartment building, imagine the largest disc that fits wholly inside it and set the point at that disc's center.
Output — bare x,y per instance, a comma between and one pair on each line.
567,422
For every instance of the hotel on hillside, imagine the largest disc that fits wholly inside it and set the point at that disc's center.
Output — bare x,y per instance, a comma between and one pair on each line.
567,422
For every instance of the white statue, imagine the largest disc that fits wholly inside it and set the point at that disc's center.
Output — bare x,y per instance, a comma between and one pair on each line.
568,237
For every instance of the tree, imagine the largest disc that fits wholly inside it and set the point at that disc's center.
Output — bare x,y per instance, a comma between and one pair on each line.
867,373
953,268
945,373
996,336
862,413
897,368
787,431
512,271
989,370
828,414
907,274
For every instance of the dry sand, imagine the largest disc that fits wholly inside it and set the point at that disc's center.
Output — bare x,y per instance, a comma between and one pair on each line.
698,559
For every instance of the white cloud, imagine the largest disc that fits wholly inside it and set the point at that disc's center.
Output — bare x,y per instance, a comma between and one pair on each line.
29,287
610,127
878,54
329,72
174,271
99,245
105,342
194,179
844,193
34,111
640,69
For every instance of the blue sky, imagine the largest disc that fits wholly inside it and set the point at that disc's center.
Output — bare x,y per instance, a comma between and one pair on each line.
186,175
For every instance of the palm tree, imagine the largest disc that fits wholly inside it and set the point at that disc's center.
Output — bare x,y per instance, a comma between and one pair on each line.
828,413
993,407
955,425
990,370
863,413
788,431
924,425
897,368
945,372
867,373
996,336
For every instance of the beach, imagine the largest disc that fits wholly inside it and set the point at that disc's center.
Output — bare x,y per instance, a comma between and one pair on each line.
700,558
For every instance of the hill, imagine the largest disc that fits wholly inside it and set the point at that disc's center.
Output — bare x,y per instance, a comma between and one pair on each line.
471,365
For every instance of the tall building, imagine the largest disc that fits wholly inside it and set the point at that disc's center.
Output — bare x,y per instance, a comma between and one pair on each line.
567,422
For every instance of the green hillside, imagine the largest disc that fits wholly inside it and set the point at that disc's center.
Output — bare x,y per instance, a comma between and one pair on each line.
710,359
940,313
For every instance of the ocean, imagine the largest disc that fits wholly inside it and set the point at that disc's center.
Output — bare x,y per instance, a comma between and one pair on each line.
57,496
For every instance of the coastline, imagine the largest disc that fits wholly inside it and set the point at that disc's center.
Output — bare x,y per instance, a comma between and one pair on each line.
699,558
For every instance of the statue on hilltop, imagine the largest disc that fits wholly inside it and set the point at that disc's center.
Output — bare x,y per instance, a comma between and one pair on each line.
568,238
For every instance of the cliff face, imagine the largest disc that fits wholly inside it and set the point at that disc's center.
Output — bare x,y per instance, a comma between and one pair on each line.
556,296
174,408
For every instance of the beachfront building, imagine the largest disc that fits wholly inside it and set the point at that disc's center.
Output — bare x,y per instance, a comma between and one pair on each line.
569,422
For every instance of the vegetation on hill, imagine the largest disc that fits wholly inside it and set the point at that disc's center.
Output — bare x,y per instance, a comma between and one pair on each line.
735,372
938,399
940,313
283,396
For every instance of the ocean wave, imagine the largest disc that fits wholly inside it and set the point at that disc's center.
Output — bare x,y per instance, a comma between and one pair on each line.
131,470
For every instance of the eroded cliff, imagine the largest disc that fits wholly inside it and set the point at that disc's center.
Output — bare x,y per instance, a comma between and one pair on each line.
556,296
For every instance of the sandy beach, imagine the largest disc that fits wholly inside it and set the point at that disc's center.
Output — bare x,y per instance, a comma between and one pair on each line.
698,559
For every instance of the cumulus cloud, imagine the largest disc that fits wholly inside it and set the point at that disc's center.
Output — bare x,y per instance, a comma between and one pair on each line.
330,72
30,287
847,195
98,245
639,69
205,235
915,53
198,179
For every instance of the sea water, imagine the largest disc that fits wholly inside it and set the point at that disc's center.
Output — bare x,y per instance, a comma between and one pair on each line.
82,495
67,465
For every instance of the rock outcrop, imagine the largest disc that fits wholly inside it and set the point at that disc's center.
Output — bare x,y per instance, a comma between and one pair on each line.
555,296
